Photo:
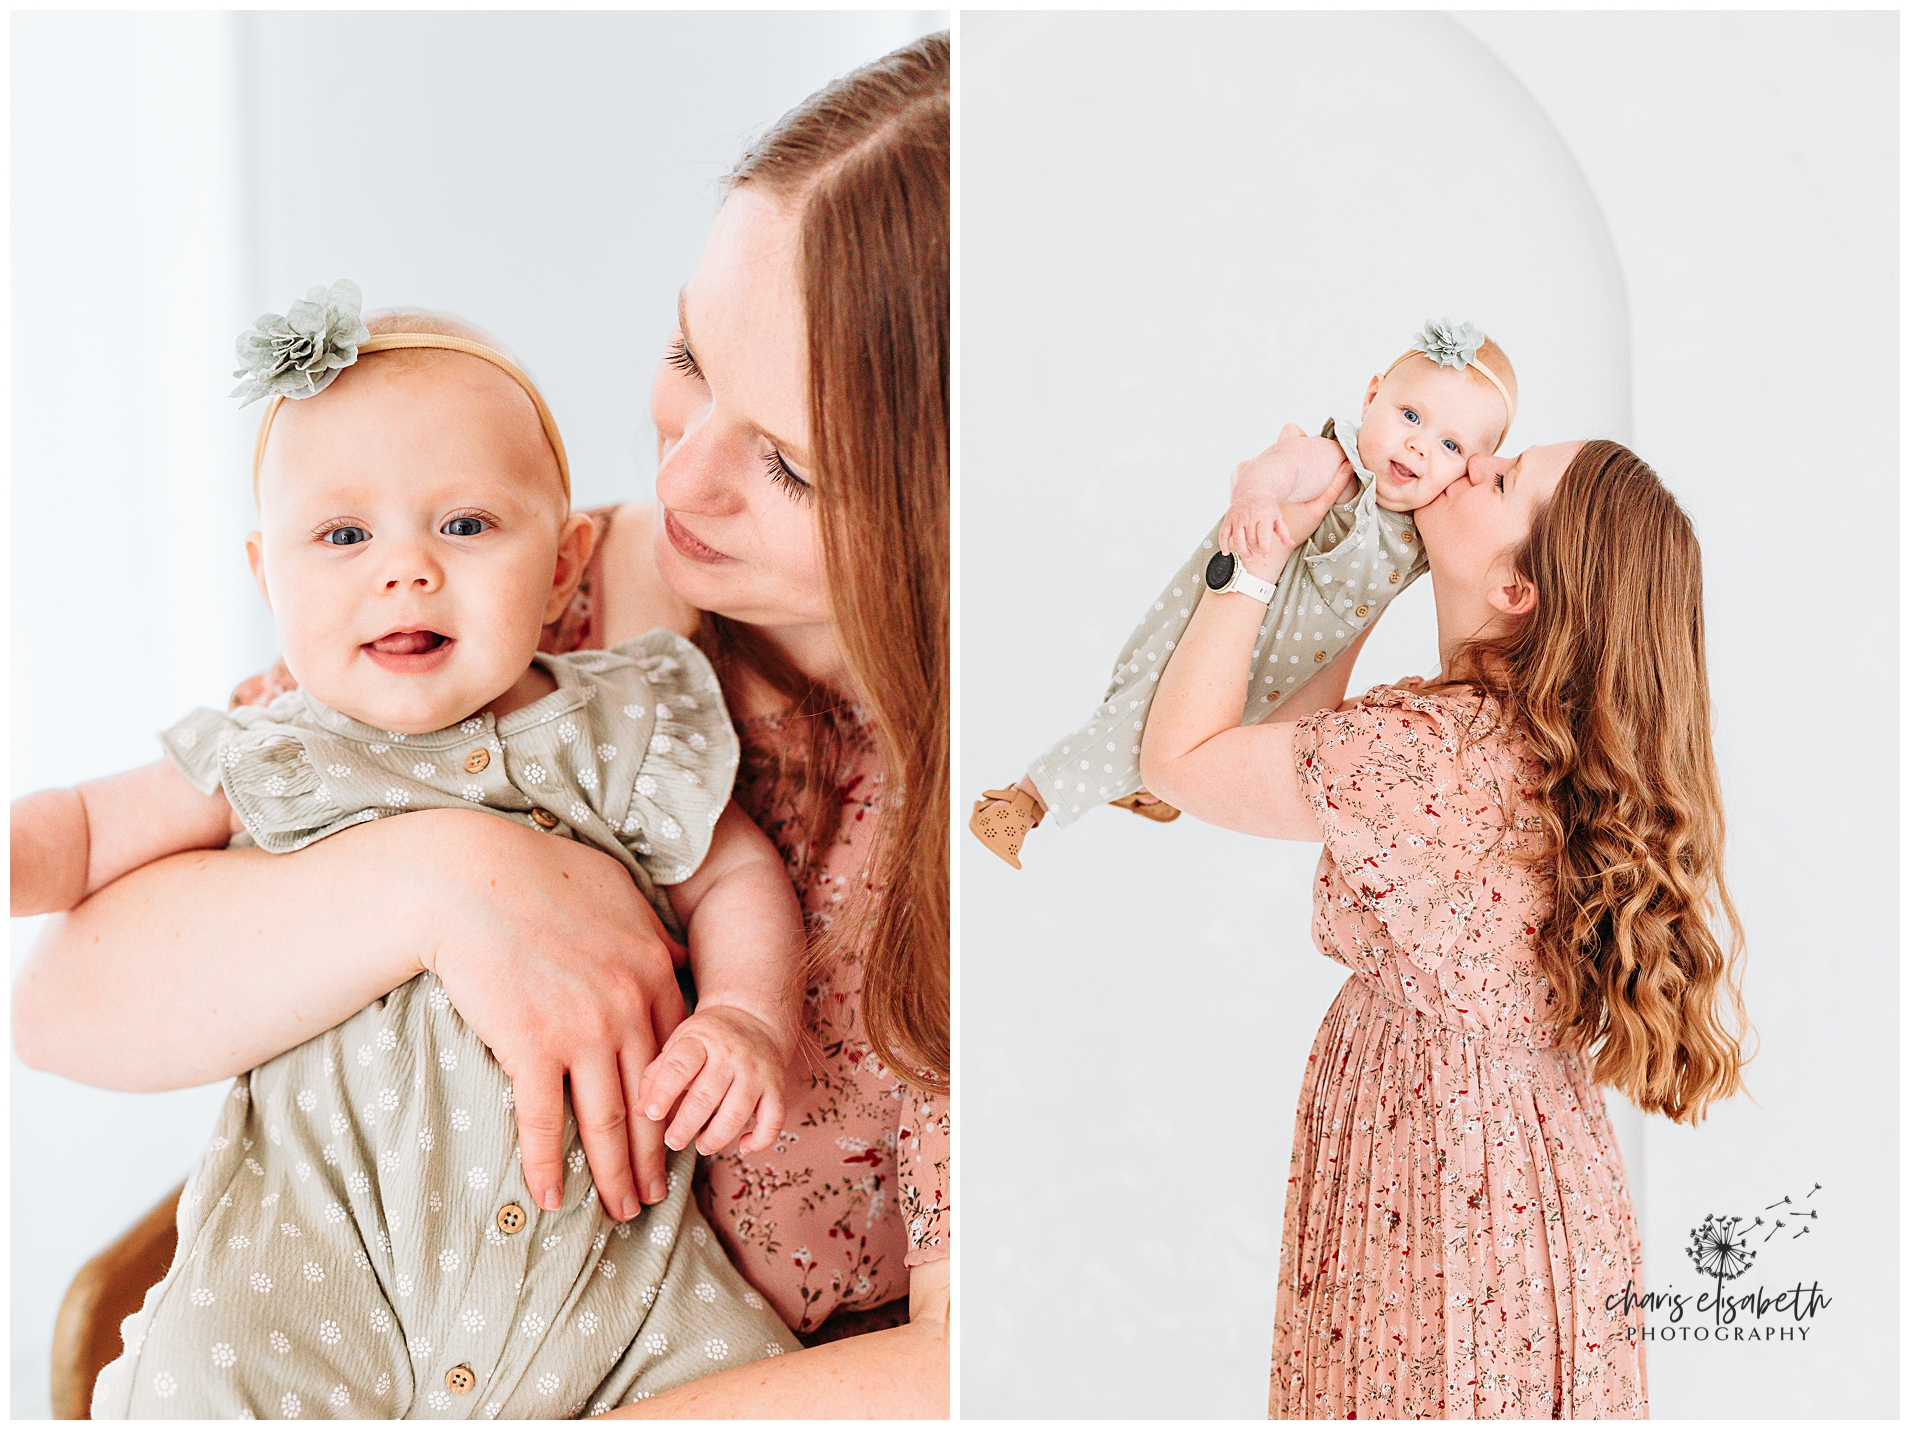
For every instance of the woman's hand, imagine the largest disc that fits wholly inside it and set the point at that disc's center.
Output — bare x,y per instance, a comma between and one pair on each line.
200,966
553,957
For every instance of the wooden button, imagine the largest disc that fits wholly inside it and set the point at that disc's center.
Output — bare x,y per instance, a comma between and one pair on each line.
1393,580
1359,610
1318,656
511,1218
477,760
544,819
459,1380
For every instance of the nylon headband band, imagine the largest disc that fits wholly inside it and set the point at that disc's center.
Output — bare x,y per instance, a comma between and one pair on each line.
385,342
1477,366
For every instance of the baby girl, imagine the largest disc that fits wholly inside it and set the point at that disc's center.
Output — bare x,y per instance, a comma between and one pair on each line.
1448,396
359,1239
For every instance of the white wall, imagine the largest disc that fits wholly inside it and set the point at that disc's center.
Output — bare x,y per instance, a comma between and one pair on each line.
549,176
1179,232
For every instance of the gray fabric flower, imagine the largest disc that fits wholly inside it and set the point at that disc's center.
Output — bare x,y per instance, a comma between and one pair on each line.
299,354
1447,343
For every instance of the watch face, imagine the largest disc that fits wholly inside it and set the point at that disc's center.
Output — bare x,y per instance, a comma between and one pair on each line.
1219,571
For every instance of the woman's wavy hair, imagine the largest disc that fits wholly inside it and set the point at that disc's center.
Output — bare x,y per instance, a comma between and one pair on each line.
867,161
1606,677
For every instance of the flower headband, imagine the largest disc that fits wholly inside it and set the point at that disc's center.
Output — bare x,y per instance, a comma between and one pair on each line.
300,354
1457,345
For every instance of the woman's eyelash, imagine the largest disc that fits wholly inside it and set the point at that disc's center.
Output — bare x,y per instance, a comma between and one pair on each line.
681,358
780,474
1499,481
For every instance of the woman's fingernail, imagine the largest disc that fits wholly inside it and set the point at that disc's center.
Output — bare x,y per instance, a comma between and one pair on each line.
658,1189
553,1198
631,1206
653,1112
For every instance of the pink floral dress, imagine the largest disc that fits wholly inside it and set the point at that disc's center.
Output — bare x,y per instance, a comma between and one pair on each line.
1457,1218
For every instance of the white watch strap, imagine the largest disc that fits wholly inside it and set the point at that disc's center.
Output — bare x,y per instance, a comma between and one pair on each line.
1248,584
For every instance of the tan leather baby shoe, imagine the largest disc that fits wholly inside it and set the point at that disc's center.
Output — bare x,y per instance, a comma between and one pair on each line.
1002,819
1157,809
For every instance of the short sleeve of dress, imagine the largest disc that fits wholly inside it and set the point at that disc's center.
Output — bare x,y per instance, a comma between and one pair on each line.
193,745
267,768
661,691
1404,824
921,1156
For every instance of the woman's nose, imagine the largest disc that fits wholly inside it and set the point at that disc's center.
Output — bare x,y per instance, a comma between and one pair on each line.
697,470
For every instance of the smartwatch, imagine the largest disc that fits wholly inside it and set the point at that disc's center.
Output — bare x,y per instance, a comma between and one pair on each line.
1224,573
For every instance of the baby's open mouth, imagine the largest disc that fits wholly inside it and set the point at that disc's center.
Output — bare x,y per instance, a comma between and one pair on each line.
409,651
1404,474
408,642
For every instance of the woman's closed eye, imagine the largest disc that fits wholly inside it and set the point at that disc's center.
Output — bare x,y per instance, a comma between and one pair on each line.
780,474
682,359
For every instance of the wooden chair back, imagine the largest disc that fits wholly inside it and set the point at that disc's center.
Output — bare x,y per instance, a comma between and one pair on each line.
108,1289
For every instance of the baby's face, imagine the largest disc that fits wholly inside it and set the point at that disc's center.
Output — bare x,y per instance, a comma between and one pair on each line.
1420,426
410,520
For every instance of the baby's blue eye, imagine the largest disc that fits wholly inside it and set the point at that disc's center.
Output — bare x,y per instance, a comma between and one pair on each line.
347,535
1411,416
1451,446
462,526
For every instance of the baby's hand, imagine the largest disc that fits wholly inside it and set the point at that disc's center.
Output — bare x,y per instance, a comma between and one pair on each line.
1296,468
724,1063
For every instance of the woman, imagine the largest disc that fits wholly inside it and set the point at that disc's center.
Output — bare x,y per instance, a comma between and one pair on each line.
1521,862
801,534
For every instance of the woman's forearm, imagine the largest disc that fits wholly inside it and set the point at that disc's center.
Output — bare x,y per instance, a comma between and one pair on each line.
201,965
1204,687
898,1374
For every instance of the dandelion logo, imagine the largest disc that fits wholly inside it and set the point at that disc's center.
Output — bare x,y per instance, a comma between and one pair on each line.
1719,1250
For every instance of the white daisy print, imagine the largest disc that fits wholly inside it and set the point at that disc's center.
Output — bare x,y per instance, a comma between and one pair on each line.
587,1323
202,1296
472,1320
473,793
313,1272
656,1343
280,1342
425,770
164,1385
223,1355
547,1384
606,753
329,1333
633,712
536,773
532,1326
716,1348
460,1120
261,1283
289,1406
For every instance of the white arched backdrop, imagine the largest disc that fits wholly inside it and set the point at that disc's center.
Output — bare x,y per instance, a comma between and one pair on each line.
1179,232
550,176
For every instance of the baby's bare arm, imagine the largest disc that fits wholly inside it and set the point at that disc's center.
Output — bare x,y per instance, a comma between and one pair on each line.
731,1056
69,843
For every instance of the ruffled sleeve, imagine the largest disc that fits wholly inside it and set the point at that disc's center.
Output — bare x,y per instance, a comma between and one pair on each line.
1407,818
193,745
267,768
921,1158
660,691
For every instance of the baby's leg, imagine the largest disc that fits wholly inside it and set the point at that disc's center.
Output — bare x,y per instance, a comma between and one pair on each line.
1102,760
663,1292
268,1310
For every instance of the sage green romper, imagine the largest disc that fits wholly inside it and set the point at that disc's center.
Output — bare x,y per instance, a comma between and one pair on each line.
358,1240
1332,587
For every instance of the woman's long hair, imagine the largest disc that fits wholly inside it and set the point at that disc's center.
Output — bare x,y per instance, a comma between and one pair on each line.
1606,677
867,161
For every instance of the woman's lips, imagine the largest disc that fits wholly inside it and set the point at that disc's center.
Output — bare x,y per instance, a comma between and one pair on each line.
687,544
409,652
